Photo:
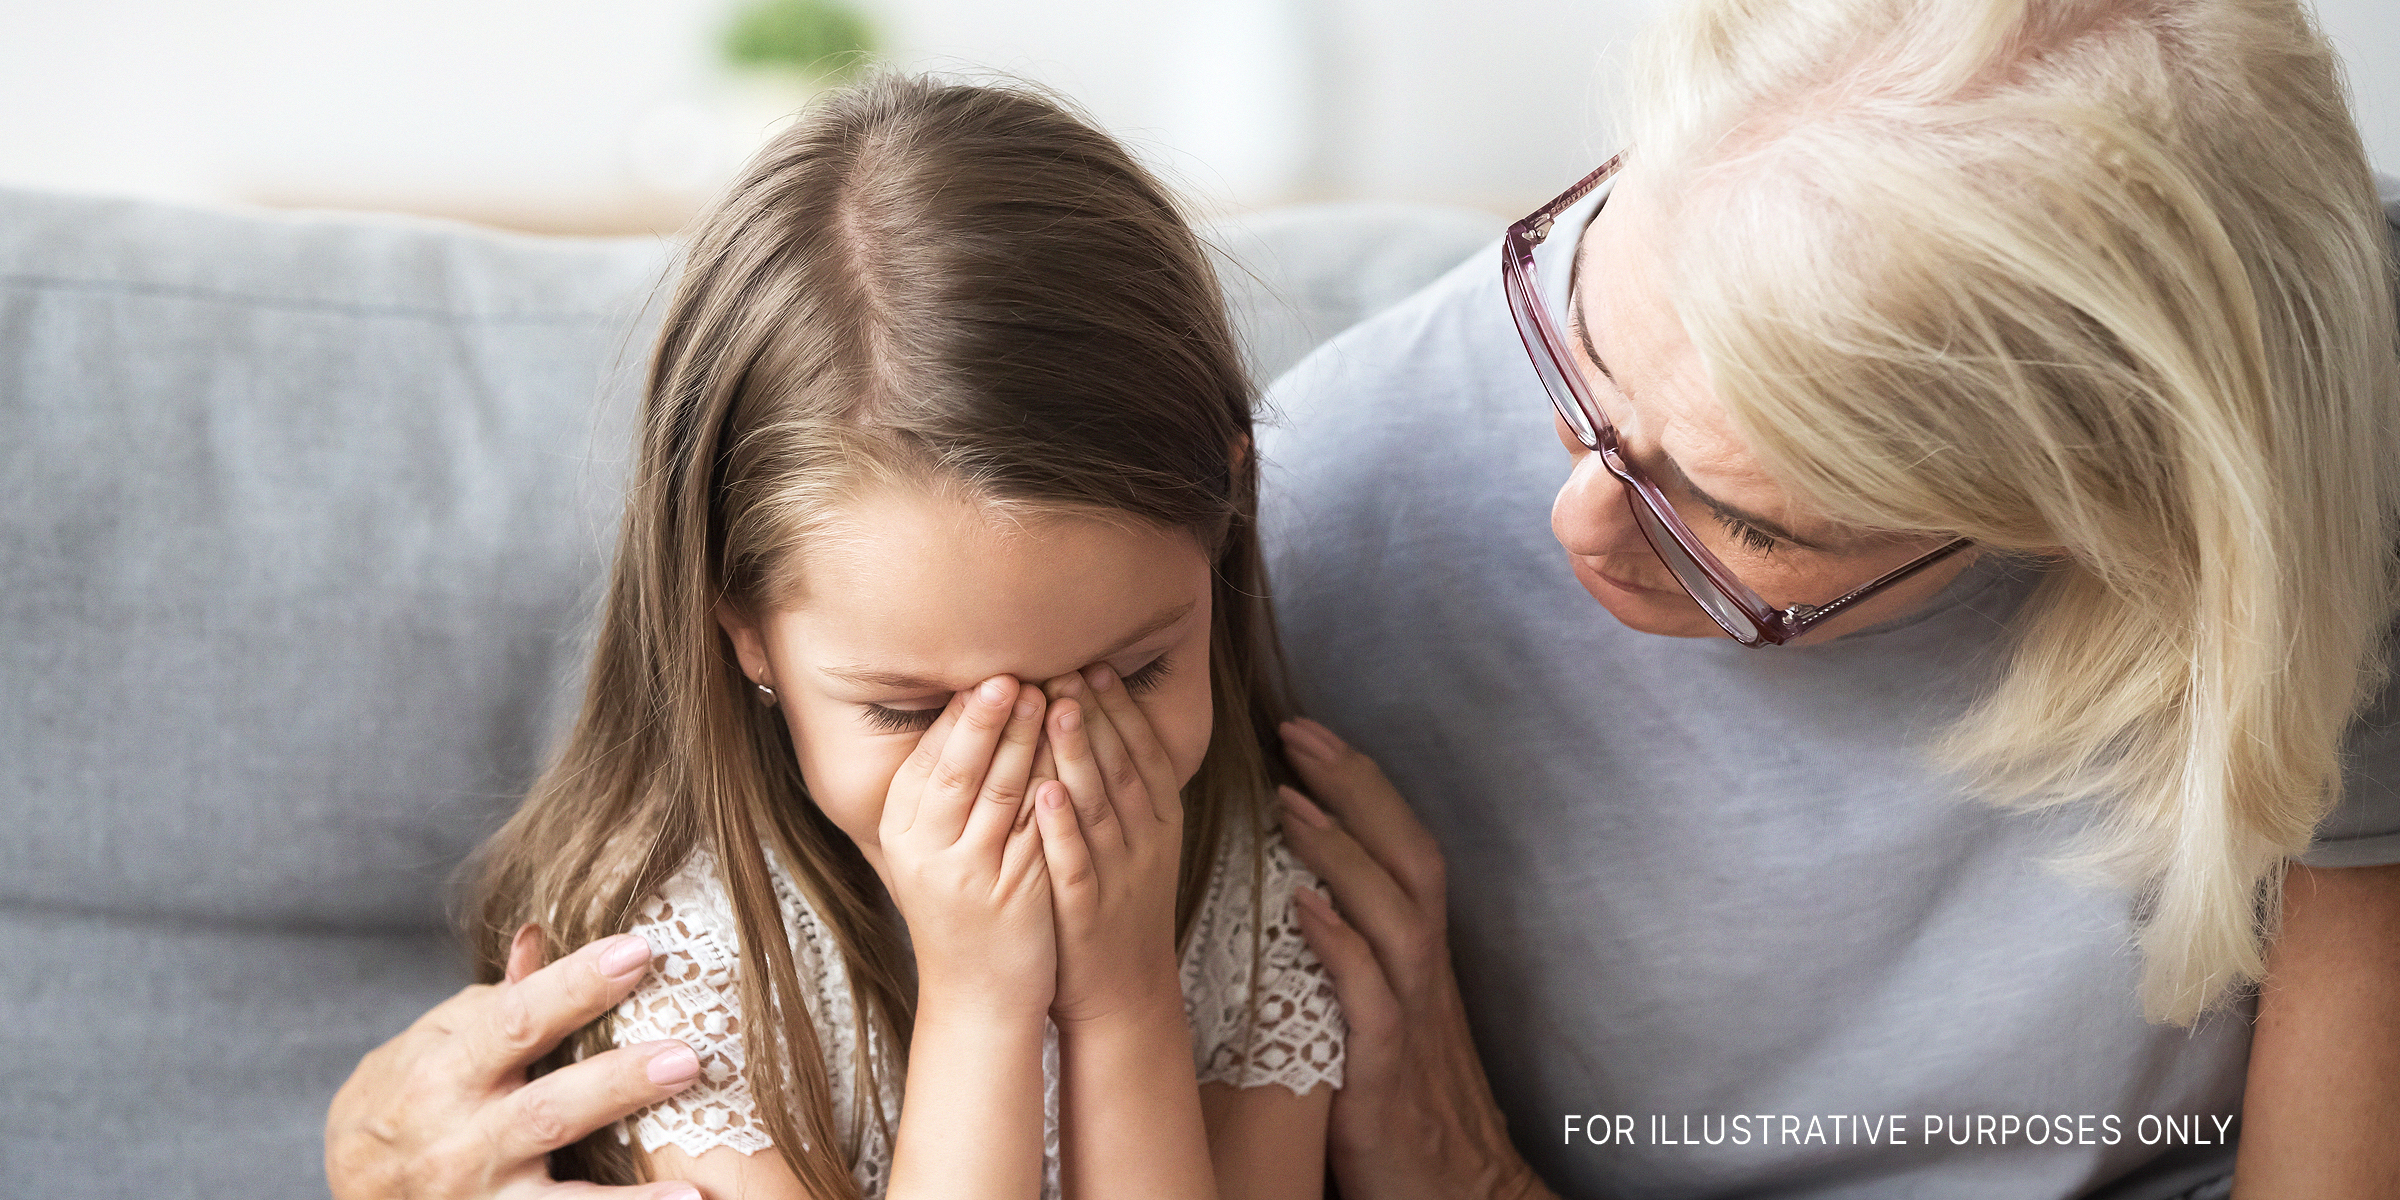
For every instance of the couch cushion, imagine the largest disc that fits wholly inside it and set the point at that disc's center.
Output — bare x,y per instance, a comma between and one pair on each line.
300,514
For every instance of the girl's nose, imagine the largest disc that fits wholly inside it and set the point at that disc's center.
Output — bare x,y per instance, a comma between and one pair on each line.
1589,517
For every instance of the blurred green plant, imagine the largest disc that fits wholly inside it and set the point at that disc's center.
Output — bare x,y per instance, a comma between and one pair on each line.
824,39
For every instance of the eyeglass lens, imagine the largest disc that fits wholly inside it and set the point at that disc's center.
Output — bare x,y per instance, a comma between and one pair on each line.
1546,365
1719,607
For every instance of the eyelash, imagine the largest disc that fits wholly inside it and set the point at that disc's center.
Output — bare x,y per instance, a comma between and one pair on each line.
1752,538
917,720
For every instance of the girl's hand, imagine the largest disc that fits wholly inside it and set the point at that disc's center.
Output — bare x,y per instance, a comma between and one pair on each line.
970,882
1111,820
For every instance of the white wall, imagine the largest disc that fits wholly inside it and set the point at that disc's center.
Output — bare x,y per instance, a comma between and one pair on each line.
610,114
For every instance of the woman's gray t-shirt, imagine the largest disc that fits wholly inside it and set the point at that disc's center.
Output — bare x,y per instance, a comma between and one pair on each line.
1717,901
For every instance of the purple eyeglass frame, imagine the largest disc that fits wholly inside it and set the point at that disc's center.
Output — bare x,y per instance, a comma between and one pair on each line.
1733,605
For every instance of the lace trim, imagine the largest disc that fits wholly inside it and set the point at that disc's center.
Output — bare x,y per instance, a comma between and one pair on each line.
693,993
1296,1040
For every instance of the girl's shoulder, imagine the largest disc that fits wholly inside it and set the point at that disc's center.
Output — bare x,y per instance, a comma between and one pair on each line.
694,910
695,939
1261,1005
1252,860
693,993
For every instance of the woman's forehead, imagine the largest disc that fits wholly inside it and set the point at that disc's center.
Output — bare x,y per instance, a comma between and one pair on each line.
1663,401
1662,394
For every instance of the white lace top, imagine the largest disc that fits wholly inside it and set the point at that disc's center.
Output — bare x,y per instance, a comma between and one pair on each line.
692,993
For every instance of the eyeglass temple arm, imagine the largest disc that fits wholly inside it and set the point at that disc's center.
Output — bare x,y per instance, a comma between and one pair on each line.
1800,618
1537,226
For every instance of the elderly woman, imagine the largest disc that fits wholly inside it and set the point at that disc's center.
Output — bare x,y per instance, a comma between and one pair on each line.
1981,417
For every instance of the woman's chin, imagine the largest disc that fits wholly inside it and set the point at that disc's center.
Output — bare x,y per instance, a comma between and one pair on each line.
1640,607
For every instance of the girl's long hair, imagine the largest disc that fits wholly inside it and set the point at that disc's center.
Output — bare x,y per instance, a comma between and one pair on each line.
955,286
2097,281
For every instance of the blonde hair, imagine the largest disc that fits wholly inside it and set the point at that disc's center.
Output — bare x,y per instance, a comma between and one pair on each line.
966,288
2098,281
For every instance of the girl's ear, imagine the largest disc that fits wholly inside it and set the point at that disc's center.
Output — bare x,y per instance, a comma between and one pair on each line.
749,647
525,952
1241,453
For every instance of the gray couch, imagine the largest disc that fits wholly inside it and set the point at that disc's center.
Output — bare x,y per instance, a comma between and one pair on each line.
301,522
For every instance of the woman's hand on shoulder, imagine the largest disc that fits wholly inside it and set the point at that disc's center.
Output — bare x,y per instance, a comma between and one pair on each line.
967,874
445,1110
1415,1116
1111,817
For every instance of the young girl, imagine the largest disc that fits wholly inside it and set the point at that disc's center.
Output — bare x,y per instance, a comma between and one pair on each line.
925,737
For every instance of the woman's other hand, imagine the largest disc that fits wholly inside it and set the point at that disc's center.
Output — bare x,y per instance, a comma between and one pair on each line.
1111,818
966,874
445,1111
1415,1115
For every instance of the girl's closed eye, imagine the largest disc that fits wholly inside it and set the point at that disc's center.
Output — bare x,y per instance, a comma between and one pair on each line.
886,719
1144,678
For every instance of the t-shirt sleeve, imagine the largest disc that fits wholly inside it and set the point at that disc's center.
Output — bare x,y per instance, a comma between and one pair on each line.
2363,830
693,992
1246,947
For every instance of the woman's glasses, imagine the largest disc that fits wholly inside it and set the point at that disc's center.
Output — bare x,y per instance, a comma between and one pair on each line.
1736,609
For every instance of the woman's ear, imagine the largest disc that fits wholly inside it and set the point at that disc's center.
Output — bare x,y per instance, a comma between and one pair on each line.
1241,453
749,646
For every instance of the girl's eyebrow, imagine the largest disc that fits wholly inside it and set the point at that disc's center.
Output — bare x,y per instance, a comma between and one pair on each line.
866,676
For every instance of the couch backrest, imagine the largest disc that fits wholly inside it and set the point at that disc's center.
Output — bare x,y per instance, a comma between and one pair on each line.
301,521
298,516
304,514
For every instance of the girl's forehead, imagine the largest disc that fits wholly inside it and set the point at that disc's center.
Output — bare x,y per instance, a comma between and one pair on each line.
938,589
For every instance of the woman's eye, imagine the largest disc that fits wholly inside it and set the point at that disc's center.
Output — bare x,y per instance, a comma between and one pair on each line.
1146,678
900,720
1750,536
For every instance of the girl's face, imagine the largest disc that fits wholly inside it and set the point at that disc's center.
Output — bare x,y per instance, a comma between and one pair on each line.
917,595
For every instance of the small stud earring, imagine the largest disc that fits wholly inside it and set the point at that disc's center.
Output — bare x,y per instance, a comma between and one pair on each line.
766,695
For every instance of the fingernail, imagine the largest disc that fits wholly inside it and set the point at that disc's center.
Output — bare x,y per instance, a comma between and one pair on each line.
685,1194
673,1065
1026,705
1299,742
1054,795
623,955
1315,902
1301,807
1102,678
991,692
1070,718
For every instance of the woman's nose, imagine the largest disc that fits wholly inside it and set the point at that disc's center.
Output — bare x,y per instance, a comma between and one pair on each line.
1589,517
1566,435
